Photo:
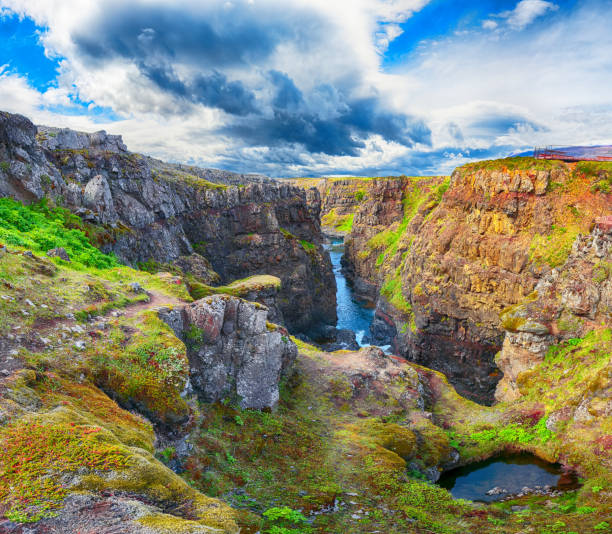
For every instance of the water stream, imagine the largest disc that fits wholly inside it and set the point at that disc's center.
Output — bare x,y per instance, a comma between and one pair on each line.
353,314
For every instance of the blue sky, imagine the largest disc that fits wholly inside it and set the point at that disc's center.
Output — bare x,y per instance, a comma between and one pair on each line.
312,87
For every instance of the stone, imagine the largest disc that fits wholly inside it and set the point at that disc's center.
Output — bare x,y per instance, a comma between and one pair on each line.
232,351
97,197
59,252
136,287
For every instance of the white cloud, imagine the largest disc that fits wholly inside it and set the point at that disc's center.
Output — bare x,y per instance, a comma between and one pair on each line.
526,11
489,24
387,34
479,92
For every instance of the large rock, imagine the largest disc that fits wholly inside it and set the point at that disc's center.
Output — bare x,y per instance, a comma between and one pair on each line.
98,198
234,352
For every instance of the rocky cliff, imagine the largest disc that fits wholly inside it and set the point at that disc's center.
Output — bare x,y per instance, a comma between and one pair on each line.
566,305
444,258
145,210
233,351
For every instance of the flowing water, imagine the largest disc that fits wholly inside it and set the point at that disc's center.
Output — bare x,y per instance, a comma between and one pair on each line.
510,473
353,314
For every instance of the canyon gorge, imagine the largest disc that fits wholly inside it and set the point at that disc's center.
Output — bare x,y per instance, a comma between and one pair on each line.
174,354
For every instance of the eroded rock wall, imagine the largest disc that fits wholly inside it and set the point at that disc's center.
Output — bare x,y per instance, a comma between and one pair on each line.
150,210
234,352
567,304
445,258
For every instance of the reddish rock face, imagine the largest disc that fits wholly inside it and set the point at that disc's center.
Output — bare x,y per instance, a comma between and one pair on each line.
444,264
604,224
567,303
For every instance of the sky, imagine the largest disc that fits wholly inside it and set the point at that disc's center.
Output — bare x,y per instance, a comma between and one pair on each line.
315,87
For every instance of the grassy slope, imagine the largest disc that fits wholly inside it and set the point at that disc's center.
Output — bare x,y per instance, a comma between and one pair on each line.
329,442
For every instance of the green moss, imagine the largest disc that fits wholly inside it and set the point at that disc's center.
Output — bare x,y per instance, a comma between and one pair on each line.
308,246
41,228
148,370
45,444
553,249
392,291
517,163
341,223
239,288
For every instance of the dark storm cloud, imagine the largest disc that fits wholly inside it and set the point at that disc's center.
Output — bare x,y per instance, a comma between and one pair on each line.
210,36
213,90
205,54
288,96
341,133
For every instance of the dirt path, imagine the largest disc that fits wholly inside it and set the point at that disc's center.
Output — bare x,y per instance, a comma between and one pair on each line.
34,340
156,300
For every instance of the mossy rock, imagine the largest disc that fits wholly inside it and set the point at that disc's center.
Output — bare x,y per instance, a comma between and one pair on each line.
433,443
394,437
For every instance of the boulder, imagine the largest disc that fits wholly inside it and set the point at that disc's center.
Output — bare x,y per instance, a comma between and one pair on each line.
98,198
59,252
234,352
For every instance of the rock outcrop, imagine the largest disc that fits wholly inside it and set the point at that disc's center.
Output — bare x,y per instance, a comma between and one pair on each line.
145,209
444,258
234,352
566,304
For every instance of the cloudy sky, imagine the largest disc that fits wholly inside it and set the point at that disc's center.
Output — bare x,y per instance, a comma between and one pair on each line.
315,87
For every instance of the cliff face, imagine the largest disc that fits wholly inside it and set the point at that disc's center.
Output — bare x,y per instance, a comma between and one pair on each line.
146,210
233,351
499,229
566,305
443,259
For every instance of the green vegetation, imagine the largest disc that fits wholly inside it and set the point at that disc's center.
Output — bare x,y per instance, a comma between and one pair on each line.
40,228
554,248
38,445
342,223
240,288
517,163
308,246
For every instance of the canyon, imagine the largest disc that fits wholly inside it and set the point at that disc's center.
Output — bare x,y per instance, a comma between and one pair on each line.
157,368
443,257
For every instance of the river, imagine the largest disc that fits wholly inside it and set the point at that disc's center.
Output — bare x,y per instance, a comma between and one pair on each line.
353,314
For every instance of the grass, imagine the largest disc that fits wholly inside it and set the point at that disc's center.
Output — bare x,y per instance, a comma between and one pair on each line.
40,228
342,223
554,248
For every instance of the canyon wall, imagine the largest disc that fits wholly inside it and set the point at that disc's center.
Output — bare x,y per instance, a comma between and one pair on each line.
146,210
444,258
566,305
